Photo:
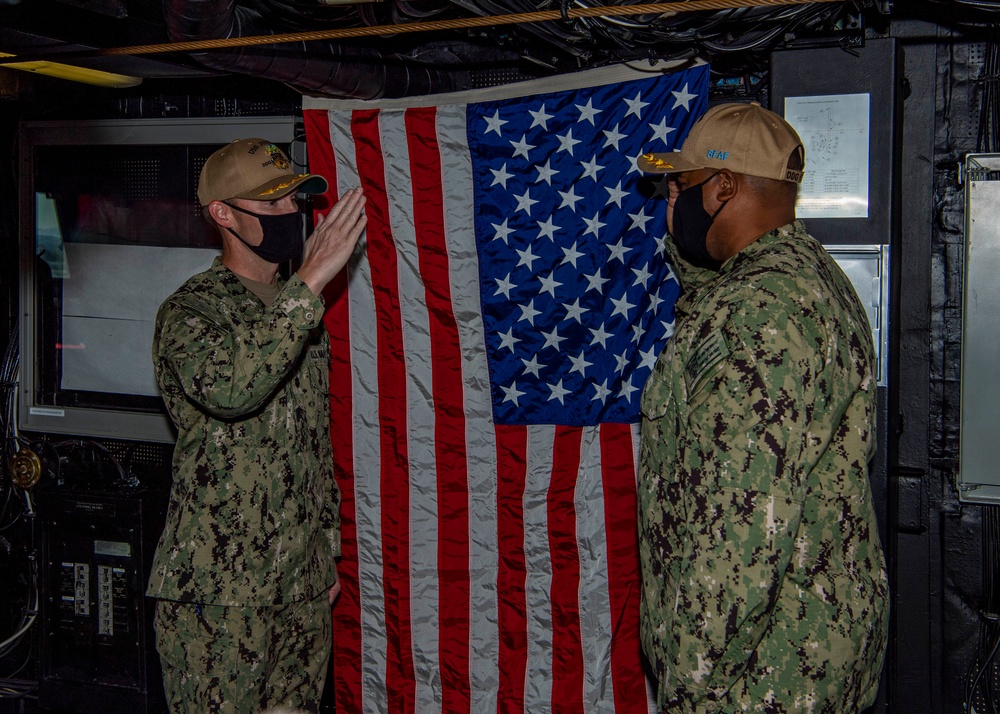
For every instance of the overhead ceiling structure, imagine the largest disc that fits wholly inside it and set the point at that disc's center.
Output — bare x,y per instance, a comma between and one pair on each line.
396,62
447,59
460,43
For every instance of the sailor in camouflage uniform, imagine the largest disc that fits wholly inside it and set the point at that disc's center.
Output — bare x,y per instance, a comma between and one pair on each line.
764,583
244,571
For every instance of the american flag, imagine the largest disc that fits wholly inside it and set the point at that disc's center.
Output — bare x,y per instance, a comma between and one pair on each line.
490,344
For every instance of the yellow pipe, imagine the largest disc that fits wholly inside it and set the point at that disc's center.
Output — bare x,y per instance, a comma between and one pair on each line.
74,74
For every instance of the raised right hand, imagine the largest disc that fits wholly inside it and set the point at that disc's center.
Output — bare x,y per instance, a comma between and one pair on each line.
331,244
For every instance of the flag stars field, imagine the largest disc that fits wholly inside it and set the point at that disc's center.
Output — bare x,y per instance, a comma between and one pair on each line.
572,249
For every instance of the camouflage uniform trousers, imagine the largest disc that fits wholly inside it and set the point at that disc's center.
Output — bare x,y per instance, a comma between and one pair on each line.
242,660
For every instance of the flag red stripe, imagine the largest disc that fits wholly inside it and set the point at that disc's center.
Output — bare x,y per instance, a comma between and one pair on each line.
618,475
567,645
449,412
347,611
393,451
512,623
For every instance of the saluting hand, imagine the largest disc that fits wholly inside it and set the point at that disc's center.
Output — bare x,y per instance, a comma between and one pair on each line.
330,246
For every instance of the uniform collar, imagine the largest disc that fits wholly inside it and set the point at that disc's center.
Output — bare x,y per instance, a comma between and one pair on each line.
233,284
790,230
686,302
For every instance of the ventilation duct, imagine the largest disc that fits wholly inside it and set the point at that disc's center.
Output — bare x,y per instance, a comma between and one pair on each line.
322,68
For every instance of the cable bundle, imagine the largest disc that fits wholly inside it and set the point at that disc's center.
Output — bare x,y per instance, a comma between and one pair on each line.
988,139
15,505
980,693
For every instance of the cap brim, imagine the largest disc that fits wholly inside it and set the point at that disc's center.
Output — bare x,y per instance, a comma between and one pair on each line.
669,163
284,185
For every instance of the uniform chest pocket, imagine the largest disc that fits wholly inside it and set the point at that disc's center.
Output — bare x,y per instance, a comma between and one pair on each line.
317,357
656,394
726,394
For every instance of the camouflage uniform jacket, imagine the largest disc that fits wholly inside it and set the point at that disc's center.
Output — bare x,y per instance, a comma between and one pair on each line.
253,518
764,584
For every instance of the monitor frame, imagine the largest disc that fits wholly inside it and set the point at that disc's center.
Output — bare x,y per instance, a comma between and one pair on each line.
107,422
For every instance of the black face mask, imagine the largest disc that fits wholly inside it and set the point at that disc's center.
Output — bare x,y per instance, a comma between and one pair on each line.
282,235
691,224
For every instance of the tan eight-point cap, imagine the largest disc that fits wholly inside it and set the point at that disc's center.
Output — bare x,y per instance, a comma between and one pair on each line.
744,138
254,169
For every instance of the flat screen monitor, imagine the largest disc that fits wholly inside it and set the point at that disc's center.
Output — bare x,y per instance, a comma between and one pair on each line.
110,226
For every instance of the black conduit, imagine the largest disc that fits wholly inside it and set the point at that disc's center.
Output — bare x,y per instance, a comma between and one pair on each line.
319,68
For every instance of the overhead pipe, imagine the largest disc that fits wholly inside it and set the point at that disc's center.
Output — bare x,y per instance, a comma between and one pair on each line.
318,67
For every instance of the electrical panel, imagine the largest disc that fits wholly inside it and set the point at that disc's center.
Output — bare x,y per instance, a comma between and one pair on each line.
867,267
96,650
978,475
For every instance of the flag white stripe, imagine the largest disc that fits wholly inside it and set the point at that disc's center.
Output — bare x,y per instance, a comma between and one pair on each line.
456,169
595,600
416,348
367,456
538,562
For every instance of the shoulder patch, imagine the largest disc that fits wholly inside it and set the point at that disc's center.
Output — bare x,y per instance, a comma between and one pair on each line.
712,350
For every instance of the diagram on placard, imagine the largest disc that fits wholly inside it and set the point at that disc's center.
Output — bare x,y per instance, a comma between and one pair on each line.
835,133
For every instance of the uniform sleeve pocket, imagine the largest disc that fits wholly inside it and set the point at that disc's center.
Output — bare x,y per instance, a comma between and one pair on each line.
655,397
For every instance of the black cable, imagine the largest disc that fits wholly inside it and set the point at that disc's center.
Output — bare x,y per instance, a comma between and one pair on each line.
989,110
20,690
10,503
419,11
991,526
987,664
982,4
990,620
12,642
